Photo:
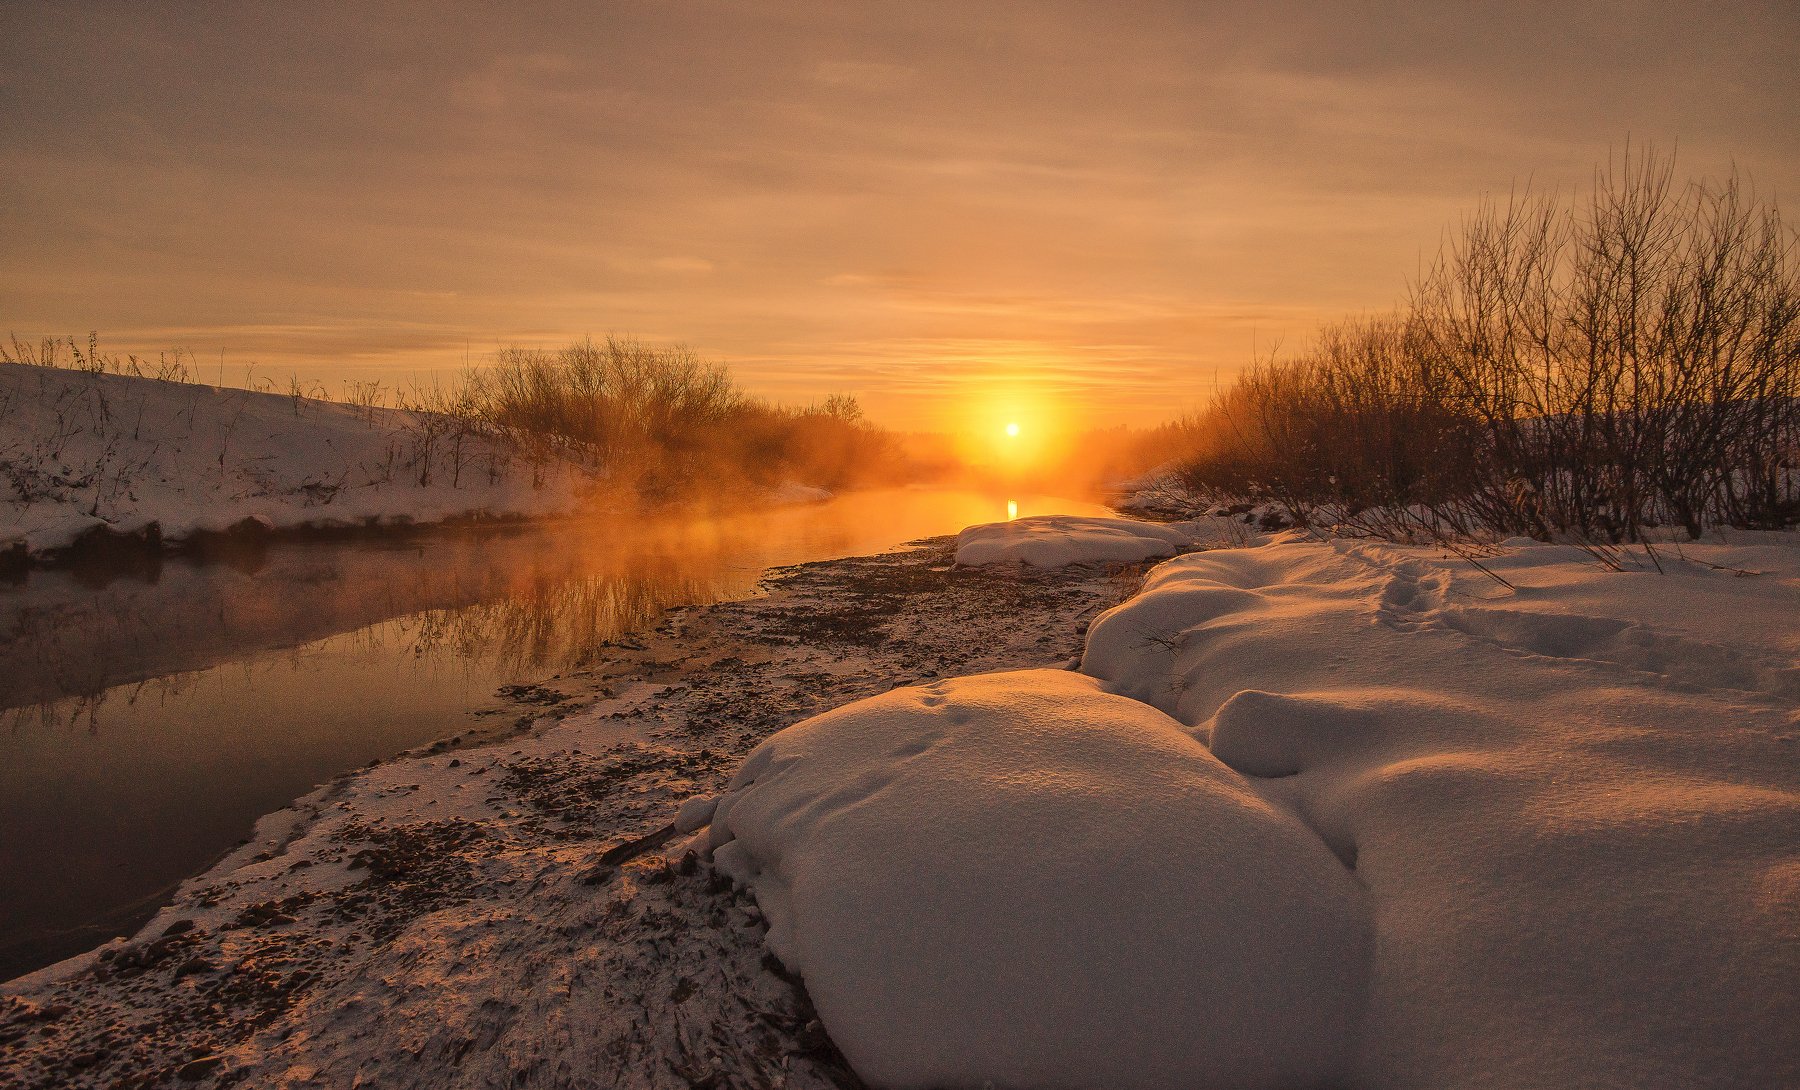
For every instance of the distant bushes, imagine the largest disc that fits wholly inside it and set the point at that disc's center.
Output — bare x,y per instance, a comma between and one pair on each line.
1592,370
829,444
615,400
670,421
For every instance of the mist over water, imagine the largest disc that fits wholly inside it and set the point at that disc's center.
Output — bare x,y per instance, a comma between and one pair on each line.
152,718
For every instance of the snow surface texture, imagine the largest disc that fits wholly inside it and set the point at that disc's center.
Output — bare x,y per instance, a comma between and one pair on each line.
80,450
1571,807
1053,541
1021,879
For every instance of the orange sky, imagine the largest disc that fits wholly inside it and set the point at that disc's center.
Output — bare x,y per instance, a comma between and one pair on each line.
924,204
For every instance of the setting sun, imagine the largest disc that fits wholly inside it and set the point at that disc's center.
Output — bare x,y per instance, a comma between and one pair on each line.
1012,431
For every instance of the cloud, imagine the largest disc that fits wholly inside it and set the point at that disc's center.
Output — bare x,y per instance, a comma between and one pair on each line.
1118,199
682,265
864,75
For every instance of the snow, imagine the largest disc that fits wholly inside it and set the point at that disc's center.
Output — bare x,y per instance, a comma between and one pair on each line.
1159,490
1053,541
1563,801
1575,805
1022,880
83,451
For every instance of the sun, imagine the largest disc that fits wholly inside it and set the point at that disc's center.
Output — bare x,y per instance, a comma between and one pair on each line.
1012,430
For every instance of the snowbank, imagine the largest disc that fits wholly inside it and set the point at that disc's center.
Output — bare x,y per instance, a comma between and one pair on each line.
1575,804
1021,880
83,451
1564,802
1053,541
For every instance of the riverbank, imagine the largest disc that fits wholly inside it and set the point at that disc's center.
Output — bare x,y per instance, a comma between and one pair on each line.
98,462
467,915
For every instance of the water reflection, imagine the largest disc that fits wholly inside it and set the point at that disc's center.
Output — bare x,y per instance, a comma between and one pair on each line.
154,716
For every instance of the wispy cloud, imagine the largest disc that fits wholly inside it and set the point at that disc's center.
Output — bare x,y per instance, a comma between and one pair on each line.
1106,203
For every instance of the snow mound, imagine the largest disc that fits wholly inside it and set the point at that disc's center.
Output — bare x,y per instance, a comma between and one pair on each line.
1573,797
1021,880
1054,541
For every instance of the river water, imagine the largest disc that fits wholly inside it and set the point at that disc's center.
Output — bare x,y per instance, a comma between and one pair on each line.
151,717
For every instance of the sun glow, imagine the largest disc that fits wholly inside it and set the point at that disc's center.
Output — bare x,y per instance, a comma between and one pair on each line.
1011,427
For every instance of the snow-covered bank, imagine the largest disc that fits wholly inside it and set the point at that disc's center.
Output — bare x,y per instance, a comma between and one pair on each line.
1569,799
1055,541
81,451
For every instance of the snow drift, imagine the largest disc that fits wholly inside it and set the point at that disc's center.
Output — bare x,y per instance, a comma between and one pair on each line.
1575,803
1563,801
1053,541
1021,880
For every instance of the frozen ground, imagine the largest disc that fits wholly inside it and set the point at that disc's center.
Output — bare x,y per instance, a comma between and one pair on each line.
516,914
1561,802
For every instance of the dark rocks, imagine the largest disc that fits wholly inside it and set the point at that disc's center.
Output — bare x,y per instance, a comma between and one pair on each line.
197,1069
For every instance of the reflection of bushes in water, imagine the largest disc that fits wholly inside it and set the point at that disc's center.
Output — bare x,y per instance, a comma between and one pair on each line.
36,648
523,600
83,709
555,625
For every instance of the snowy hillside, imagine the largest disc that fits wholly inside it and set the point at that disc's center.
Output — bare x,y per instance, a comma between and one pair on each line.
1318,813
80,450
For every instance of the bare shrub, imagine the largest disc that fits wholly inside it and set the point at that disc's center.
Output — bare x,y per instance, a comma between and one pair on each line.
1588,370
829,444
615,400
667,420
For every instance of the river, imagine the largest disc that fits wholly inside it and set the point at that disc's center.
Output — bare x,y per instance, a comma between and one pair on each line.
152,716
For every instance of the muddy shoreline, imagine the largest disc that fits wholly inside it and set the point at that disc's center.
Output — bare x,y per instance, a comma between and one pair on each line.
502,907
